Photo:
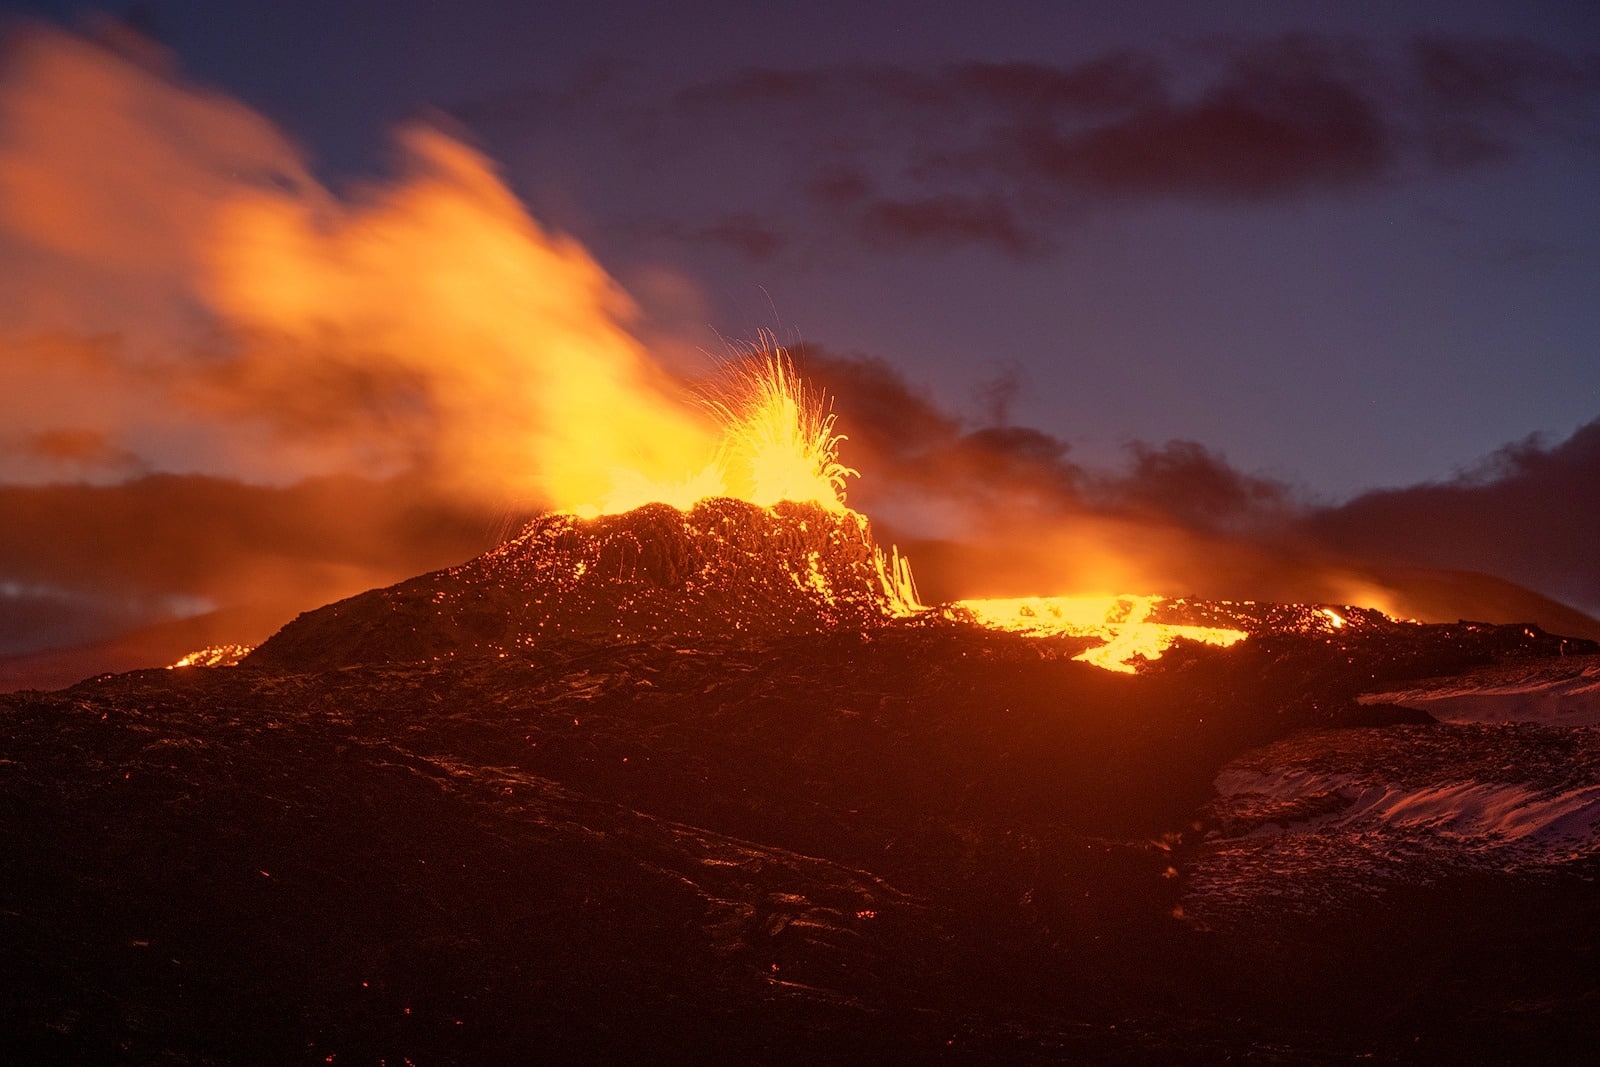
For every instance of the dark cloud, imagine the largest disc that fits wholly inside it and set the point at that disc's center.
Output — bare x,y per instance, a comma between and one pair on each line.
881,411
902,441
1506,77
997,394
1474,99
993,510
1188,483
744,233
1528,514
945,221
1005,156
1267,129
1108,83
908,447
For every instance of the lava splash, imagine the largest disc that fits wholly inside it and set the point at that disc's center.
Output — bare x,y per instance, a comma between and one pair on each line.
776,442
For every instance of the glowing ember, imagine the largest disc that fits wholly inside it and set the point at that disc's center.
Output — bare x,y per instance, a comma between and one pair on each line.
215,656
1120,621
778,439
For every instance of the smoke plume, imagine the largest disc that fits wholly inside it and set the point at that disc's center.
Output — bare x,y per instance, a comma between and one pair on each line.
186,306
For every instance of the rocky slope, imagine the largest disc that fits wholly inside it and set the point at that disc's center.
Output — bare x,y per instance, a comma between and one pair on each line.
724,567
638,789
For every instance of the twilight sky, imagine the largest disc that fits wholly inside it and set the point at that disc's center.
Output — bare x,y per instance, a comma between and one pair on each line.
1347,245
1337,248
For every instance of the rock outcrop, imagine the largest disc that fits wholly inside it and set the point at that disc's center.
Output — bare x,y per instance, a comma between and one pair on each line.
723,568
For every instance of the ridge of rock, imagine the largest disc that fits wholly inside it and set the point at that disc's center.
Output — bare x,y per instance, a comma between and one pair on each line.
723,568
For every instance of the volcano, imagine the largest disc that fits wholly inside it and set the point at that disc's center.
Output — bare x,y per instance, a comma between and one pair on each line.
705,785
724,567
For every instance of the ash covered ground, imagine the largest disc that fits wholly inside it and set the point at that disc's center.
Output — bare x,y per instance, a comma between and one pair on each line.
711,796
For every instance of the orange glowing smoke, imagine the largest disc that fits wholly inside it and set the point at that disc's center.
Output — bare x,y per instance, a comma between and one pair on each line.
251,323
238,318
516,337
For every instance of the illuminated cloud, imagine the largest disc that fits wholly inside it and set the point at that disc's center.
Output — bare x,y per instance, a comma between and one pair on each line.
1526,514
990,510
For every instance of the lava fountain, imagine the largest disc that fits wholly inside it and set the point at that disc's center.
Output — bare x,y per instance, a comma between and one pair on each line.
776,441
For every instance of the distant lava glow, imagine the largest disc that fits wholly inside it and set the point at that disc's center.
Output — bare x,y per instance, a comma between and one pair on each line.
1120,621
214,656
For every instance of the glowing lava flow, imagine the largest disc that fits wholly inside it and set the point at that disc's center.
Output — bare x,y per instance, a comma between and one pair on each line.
1120,621
214,656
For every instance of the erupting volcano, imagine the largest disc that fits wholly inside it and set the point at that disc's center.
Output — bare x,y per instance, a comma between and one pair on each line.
783,555
706,778
686,769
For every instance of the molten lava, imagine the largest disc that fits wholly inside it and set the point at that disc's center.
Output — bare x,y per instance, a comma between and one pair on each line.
1120,621
777,445
779,437
775,441
225,655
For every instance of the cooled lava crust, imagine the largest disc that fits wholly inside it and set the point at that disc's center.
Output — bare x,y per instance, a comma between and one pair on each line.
723,568
462,820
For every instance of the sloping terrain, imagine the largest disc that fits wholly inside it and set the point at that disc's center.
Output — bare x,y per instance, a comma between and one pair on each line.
920,840
692,786
722,568
1564,691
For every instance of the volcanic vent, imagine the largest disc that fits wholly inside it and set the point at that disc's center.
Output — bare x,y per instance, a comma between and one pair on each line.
722,568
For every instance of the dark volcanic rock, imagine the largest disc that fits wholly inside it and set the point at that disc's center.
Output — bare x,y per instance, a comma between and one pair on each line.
680,787
724,567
